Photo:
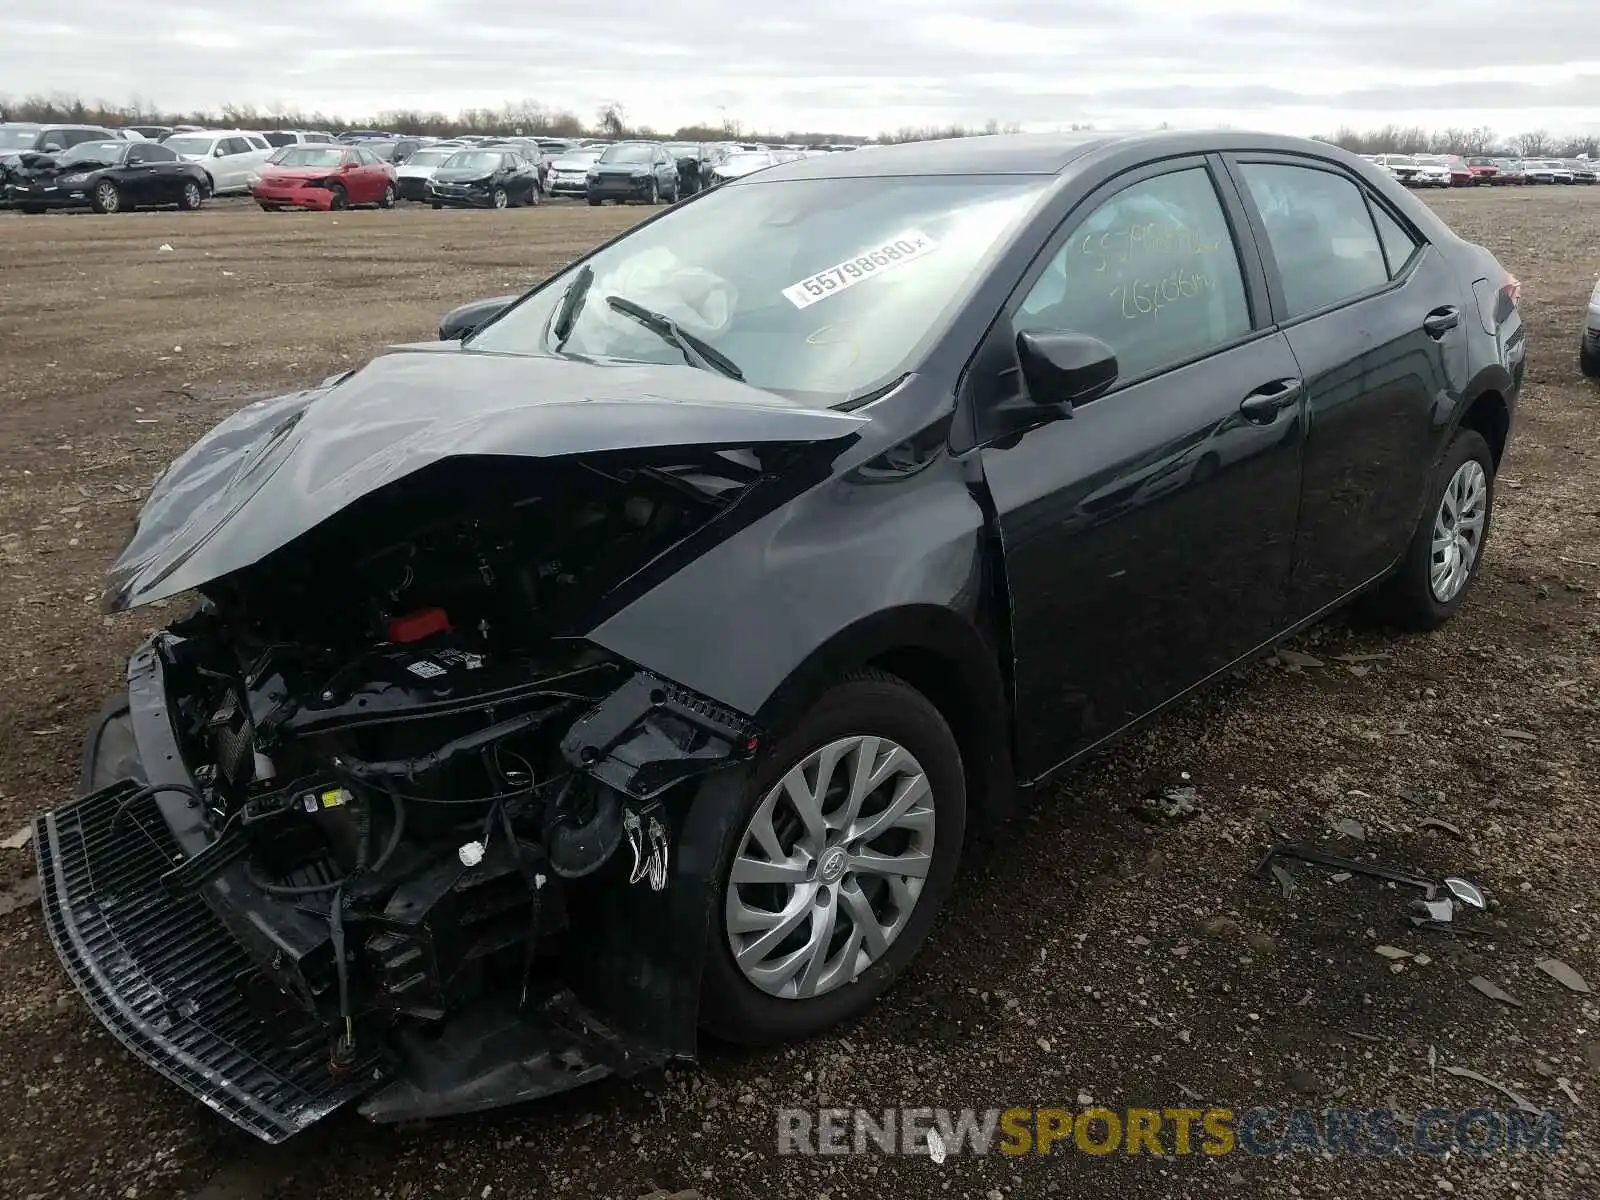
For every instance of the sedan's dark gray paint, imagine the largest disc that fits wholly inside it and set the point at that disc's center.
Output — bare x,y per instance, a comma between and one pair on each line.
280,467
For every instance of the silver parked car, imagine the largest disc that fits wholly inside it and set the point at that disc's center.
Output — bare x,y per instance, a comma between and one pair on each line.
570,171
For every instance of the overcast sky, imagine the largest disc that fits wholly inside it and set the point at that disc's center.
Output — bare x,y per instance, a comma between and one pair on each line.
1302,66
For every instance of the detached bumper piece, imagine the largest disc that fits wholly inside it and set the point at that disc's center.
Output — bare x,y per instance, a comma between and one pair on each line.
166,978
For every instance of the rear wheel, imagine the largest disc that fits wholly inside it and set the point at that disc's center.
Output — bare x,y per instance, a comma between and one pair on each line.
387,199
655,191
595,202
831,877
107,197
436,205
1589,361
271,208
1447,549
190,198
32,210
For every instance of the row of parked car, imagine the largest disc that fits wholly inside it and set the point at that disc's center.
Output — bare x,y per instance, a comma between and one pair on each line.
1446,170
110,170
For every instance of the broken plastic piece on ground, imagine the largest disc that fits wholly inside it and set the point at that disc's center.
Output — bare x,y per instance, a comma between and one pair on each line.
1169,804
1494,991
1433,911
1564,975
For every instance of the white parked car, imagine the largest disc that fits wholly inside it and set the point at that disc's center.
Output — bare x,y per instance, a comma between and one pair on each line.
1589,340
228,156
1431,174
413,174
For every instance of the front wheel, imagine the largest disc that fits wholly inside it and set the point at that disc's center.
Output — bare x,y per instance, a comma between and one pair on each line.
338,199
500,199
595,201
845,847
1447,549
107,198
1589,361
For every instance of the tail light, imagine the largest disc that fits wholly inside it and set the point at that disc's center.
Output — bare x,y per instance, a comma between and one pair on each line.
1511,289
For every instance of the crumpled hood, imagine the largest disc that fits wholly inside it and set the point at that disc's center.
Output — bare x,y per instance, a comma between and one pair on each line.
280,467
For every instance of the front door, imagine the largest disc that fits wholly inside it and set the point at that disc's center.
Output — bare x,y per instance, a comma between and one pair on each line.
1148,539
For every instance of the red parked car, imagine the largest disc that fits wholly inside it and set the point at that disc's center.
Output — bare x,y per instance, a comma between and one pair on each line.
1485,170
323,178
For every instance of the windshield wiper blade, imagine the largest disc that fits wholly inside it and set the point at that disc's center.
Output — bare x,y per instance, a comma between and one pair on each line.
696,353
567,314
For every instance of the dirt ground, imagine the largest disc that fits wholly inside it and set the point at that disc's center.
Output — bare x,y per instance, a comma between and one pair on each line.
1095,954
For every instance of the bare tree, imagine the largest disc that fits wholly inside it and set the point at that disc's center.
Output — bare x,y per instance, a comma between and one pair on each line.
613,121
1533,144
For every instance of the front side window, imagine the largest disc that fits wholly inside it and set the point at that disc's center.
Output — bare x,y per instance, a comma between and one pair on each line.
1321,234
823,290
1152,272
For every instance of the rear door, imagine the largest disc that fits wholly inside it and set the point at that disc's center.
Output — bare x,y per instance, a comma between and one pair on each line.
1148,539
1373,314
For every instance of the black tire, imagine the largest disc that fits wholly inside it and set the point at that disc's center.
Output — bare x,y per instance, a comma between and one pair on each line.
1589,362
655,191
1406,598
271,207
500,198
535,195
387,199
435,205
191,197
338,198
595,202
32,210
734,1009
107,197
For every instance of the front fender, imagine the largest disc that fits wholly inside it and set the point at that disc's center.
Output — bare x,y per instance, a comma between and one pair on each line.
754,610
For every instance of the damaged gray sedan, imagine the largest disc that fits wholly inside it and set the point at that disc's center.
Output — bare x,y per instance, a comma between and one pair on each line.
638,658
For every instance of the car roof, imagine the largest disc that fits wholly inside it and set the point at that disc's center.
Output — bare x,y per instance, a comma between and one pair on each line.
1028,153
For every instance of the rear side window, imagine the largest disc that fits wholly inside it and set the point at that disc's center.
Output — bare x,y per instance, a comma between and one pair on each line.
280,139
151,153
1398,244
1321,234
235,145
1152,272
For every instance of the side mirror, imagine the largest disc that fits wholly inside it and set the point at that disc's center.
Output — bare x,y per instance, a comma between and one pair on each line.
1065,369
51,148
219,152
460,322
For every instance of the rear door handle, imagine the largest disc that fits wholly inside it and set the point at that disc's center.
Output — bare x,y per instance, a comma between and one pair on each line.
1263,405
1441,321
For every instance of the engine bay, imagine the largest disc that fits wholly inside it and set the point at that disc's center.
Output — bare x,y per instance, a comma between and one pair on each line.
397,746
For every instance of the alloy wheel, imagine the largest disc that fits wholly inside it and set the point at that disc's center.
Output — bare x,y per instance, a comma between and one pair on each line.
830,867
108,197
191,195
1458,530
500,198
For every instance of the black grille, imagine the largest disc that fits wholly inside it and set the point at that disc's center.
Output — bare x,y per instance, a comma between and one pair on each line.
162,973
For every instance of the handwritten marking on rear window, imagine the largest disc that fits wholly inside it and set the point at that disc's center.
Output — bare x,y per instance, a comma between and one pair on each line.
1146,240
879,260
1147,297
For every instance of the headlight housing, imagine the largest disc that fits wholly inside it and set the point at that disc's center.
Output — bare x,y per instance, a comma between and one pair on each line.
76,179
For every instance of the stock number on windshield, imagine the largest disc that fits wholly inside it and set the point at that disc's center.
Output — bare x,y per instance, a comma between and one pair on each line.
896,252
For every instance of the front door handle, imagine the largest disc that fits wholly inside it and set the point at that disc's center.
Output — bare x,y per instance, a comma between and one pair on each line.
1441,321
1262,406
